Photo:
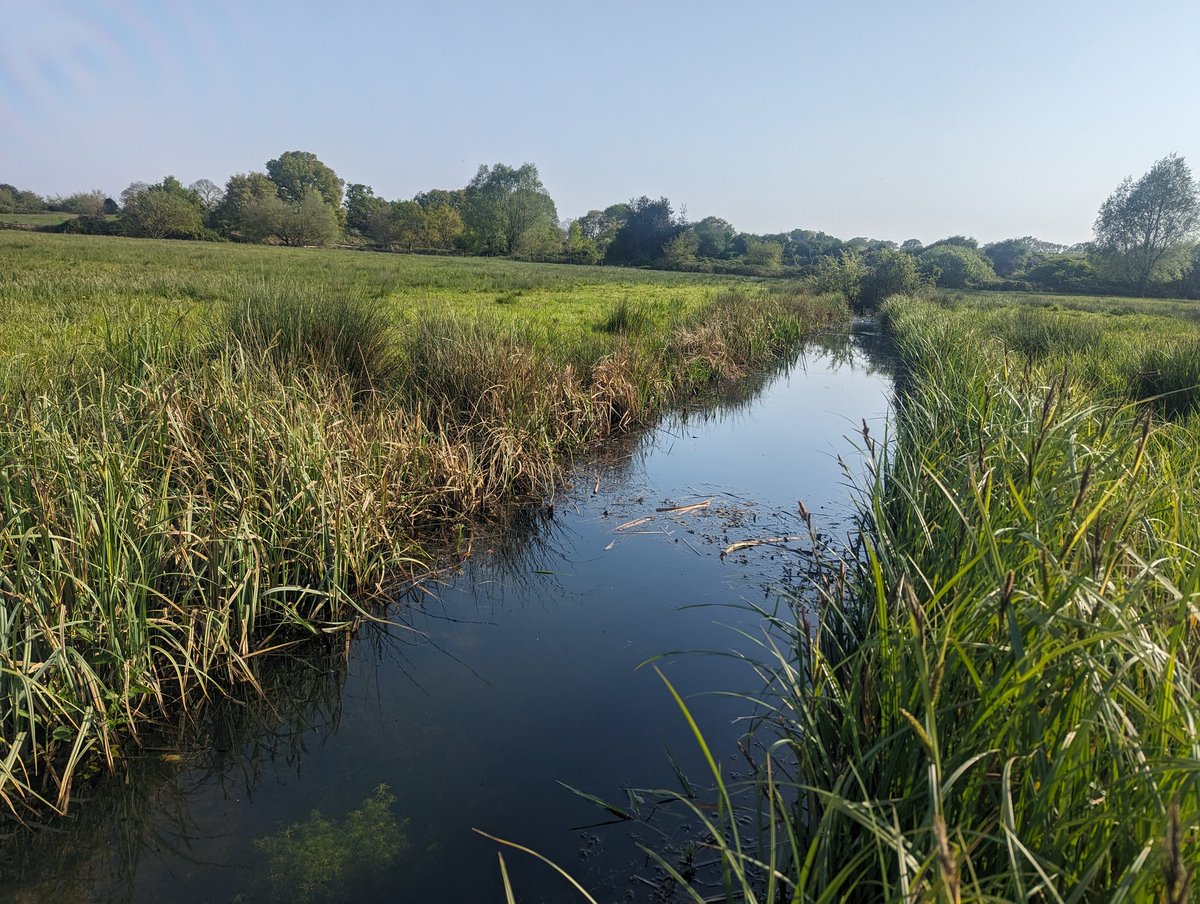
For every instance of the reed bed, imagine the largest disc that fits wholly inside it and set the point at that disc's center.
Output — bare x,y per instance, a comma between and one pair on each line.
179,500
996,697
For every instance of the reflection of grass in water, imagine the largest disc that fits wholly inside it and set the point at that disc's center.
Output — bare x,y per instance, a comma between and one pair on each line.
311,860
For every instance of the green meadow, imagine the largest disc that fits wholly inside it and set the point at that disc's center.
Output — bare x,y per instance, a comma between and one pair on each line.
50,218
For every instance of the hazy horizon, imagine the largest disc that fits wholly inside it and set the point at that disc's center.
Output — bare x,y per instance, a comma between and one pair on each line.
868,119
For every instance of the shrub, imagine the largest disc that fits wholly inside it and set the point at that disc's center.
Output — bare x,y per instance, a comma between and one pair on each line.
892,273
956,267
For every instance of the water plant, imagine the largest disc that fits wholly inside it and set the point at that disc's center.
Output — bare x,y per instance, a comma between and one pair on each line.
313,860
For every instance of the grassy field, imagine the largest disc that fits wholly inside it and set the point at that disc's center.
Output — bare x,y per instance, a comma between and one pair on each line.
211,452
58,291
36,219
999,699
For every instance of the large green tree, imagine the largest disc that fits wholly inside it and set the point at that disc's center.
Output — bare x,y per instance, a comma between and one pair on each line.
645,233
363,207
713,236
507,210
309,221
295,172
243,192
1144,223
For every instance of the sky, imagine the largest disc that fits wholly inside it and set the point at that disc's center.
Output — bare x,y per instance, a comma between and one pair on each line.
891,120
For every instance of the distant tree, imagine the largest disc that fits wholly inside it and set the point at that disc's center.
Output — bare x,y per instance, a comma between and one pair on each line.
400,223
956,266
310,221
646,231
14,200
1012,257
295,172
134,189
440,197
581,248
209,193
111,207
892,272
807,247
173,186
502,204
912,246
364,207
1191,278
842,275
444,228
680,251
957,241
602,226
540,241
765,254
1064,273
241,204
259,216
1143,221
1044,248
713,237
163,210
84,203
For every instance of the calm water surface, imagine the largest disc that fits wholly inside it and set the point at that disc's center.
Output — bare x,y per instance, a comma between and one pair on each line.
512,674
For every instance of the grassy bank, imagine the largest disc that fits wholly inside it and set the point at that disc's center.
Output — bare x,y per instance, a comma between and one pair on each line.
998,700
208,453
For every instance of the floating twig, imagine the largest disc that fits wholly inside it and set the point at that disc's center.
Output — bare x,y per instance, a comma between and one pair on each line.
634,523
680,509
766,541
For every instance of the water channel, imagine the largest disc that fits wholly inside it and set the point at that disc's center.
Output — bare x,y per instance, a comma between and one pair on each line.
509,675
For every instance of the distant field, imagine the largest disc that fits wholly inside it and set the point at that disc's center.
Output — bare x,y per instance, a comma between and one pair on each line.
59,289
1100,304
36,219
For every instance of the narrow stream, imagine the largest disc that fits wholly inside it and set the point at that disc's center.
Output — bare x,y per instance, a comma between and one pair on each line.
511,675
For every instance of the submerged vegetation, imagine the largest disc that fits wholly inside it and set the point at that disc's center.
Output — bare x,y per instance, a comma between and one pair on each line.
312,861
998,698
197,469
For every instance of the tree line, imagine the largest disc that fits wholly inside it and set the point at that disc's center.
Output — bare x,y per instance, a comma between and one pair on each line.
1144,235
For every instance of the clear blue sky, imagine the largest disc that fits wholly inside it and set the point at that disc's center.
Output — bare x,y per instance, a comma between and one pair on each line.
886,119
